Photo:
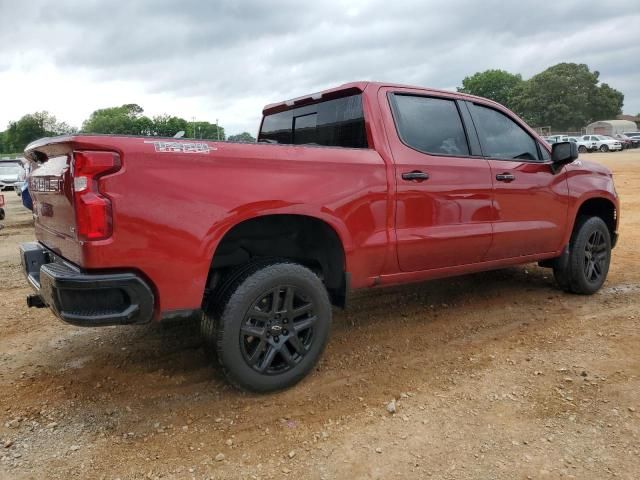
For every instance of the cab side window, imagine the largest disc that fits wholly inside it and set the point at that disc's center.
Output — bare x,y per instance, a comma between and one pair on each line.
501,137
430,125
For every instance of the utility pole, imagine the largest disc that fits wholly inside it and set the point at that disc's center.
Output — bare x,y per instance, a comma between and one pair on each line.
194,127
217,130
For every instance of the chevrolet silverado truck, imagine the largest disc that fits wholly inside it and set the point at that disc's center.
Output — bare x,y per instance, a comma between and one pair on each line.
361,186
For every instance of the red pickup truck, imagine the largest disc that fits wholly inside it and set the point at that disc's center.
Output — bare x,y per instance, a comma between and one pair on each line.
360,186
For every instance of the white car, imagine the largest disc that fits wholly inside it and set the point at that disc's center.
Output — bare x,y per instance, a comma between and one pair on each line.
10,173
602,143
584,146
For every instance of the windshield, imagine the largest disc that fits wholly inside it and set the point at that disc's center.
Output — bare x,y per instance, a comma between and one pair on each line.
10,169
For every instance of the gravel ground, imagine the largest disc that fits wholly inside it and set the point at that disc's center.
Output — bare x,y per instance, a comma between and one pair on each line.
496,375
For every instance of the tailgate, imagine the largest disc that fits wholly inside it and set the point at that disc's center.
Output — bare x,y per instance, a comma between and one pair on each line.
70,210
50,187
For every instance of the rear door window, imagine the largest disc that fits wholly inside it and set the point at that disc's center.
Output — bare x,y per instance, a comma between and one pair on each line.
430,125
501,137
332,123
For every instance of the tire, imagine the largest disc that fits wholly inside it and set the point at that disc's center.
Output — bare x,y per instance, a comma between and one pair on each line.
589,258
582,149
604,148
269,325
209,322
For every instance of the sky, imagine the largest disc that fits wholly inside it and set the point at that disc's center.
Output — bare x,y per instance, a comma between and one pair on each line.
224,60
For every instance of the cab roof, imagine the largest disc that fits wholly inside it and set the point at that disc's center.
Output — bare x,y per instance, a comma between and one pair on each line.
353,88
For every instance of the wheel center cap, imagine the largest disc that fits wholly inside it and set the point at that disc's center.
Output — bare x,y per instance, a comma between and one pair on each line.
276,328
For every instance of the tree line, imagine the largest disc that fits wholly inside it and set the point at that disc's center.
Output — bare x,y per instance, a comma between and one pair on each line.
127,119
565,97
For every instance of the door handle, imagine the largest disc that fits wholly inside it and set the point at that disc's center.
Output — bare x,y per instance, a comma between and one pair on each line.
416,175
505,177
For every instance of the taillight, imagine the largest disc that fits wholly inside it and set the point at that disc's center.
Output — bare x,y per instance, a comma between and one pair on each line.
94,220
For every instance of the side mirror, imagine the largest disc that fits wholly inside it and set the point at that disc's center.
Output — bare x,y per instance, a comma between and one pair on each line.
563,153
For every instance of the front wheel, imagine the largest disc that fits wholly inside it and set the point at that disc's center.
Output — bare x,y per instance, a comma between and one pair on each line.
589,258
604,148
272,323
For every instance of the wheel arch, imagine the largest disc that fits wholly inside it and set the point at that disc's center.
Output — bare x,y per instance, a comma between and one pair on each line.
599,206
314,241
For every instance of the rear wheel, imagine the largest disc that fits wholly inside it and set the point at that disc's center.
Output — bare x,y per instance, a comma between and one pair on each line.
604,148
270,325
589,258
582,149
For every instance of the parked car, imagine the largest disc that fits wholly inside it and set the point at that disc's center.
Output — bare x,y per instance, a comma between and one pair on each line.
584,146
345,189
10,173
557,138
1,207
632,134
630,142
625,143
604,143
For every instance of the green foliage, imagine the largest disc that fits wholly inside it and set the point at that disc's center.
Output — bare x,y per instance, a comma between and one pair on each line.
204,130
496,85
126,119
123,120
167,125
242,137
29,128
567,97
129,120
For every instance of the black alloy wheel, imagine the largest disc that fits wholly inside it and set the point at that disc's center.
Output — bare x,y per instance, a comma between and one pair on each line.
585,269
595,257
268,324
277,330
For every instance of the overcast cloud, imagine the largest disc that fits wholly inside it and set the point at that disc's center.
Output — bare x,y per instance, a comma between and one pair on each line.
225,60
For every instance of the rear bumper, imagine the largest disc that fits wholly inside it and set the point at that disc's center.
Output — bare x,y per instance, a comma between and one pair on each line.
85,299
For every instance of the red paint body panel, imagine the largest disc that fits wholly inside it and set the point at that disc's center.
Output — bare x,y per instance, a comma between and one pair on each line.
172,209
530,211
446,220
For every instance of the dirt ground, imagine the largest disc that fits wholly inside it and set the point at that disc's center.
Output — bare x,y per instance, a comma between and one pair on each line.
496,376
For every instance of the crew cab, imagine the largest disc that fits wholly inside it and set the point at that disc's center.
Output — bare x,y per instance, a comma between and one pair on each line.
361,186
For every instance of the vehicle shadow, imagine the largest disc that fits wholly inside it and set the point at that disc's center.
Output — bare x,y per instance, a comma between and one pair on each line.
169,359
